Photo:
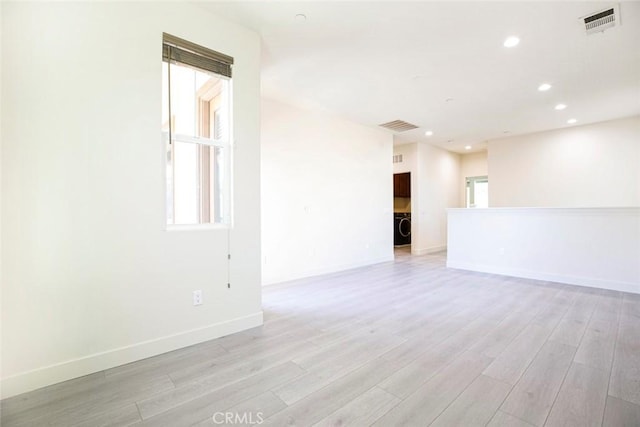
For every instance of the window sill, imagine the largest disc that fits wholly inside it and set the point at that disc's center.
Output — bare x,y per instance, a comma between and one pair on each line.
196,227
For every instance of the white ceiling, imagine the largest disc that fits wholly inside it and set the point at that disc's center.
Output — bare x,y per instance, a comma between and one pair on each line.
377,61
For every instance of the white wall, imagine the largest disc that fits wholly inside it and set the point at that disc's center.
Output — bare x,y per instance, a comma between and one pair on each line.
582,166
597,247
437,189
472,164
327,193
1,174
409,158
93,280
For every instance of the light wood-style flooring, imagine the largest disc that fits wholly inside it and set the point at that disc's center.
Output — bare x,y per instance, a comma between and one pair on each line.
405,343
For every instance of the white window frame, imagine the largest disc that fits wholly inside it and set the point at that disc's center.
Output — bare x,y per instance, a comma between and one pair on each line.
226,144
227,187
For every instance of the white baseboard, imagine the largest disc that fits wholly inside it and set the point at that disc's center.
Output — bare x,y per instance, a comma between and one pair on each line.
325,270
549,277
431,250
42,377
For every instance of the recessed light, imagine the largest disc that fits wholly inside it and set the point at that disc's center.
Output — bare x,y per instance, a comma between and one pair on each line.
511,41
571,121
428,133
301,17
560,107
467,147
544,87
505,131
450,141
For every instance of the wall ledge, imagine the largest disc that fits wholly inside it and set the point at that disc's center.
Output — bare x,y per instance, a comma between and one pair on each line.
630,210
594,247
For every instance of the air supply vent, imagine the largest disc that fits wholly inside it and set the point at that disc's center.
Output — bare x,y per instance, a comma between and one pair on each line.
397,158
399,126
602,20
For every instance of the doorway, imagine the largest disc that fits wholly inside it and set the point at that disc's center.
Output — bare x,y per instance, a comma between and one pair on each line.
402,210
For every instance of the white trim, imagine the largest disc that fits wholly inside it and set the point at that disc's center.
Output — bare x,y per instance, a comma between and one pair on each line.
41,377
430,250
549,277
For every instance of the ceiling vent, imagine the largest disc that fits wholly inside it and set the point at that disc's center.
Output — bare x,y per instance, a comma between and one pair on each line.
399,126
602,20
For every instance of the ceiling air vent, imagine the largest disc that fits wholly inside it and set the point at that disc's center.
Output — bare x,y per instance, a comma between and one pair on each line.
399,126
602,20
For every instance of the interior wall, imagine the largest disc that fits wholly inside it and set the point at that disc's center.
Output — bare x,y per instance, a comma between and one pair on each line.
1,174
93,278
438,189
581,166
409,153
326,193
472,164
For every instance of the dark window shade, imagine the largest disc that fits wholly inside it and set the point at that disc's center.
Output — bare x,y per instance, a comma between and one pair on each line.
175,49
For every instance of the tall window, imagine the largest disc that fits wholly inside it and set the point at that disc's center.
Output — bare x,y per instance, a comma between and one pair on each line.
196,125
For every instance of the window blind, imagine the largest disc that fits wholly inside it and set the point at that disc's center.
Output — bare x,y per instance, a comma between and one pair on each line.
175,49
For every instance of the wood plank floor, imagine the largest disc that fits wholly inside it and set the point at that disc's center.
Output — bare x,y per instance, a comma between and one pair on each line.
407,343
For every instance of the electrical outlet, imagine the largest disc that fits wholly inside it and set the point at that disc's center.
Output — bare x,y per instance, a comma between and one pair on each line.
197,297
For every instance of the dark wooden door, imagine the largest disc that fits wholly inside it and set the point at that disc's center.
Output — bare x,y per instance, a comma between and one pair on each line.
402,185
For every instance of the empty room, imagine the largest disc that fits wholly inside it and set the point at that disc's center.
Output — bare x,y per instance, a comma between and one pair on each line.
319,213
